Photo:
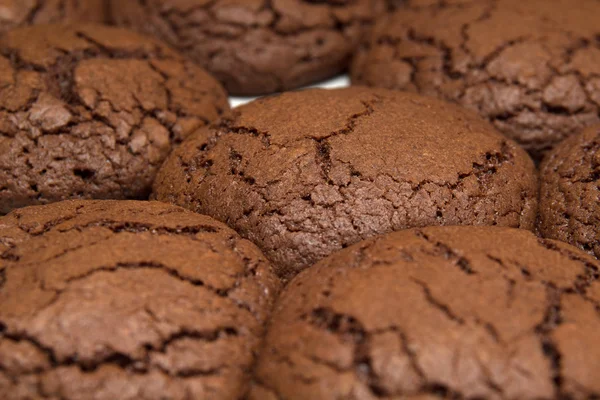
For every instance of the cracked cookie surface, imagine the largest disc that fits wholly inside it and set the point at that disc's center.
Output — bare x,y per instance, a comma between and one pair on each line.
305,174
258,46
128,300
89,111
531,67
570,188
439,312
17,13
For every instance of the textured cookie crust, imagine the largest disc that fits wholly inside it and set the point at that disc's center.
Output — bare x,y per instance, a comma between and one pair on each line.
532,67
442,312
17,13
257,46
570,180
305,174
91,112
129,300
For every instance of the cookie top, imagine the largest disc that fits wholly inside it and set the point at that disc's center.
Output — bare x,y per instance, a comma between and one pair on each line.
308,173
570,180
129,300
258,46
442,312
91,112
16,13
530,67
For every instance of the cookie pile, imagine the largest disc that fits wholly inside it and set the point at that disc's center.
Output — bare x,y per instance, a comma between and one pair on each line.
431,232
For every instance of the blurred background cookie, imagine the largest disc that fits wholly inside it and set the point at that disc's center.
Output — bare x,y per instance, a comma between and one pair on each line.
308,173
16,13
88,111
258,46
531,67
442,312
129,300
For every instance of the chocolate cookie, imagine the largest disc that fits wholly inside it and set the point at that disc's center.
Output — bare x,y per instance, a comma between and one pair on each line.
308,173
442,312
16,13
129,300
259,46
570,181
531,67
91,112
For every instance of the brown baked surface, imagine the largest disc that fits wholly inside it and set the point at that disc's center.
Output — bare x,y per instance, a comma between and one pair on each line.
128,300
18,13
441,312
569,207
308,173
257,46
88,111
532,67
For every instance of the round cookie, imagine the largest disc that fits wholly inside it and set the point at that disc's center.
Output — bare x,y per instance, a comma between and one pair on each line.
91,112
129,300
305,174
570,186
531,67
442,312
259,46
16,13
